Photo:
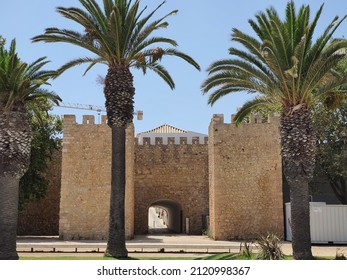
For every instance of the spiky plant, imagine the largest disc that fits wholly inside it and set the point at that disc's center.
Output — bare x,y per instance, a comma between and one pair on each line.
120,36
269,247
290,70
20,85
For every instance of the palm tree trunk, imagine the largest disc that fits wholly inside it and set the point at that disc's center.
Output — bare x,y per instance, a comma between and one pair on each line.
9,187
300,220
15,146
298,154
116,240
119,94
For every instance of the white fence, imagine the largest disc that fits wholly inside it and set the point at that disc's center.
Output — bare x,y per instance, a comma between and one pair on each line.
328,223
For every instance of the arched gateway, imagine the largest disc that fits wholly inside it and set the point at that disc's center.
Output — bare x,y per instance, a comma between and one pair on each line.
165,216
171,172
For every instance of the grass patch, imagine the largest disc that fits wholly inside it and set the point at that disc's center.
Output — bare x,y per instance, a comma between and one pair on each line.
212,257
225,256
100,258
252,256
63,258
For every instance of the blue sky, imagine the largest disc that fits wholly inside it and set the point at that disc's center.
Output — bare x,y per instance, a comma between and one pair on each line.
202,29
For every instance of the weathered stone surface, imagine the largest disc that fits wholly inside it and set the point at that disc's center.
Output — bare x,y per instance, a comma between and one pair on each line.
235,177
42,217
178,173
245,176
86,180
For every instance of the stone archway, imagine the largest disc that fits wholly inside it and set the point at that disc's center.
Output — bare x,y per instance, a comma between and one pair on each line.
165,216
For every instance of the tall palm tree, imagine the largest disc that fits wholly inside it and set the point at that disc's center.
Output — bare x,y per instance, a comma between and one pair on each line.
120,36
291,71
20,85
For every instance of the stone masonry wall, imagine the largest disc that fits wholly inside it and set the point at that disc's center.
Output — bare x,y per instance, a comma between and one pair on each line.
42,217
236,179
245,176
172,172
86,175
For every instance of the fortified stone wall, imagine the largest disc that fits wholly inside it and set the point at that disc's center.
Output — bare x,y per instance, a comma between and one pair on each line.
42,217
86,180
235,177
245,177
175,172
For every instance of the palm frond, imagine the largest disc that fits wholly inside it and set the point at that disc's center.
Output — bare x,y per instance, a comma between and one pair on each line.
115,32
290,23
337,86
79,61
230,80
144,47
44,93
313,24
37,64
254,60
55,35
118,34
185,57
315,51
318,73
282,63
243,67
94,9
250,43
130,24
20,82
140,37
108,6
250,107
163,73
223,91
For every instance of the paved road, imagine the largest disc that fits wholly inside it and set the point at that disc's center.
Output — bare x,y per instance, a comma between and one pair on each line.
192,244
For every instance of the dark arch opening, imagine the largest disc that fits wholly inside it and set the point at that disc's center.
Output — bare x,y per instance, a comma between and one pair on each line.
165,216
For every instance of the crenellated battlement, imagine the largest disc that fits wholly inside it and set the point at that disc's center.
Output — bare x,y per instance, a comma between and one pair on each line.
86,120
158,141
253,119
170,135
148,139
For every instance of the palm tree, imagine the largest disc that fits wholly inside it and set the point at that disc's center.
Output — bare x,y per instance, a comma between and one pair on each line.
20,85
291,71
120,36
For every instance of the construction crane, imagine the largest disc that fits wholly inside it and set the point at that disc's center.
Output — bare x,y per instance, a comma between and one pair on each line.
99,109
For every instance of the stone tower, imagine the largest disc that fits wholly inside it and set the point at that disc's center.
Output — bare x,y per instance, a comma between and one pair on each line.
245,178
86,180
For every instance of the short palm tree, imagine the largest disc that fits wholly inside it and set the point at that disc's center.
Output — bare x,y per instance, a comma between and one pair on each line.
291,71
120,36
20,85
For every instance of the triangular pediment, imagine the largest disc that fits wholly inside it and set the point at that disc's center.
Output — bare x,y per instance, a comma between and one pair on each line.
165,128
